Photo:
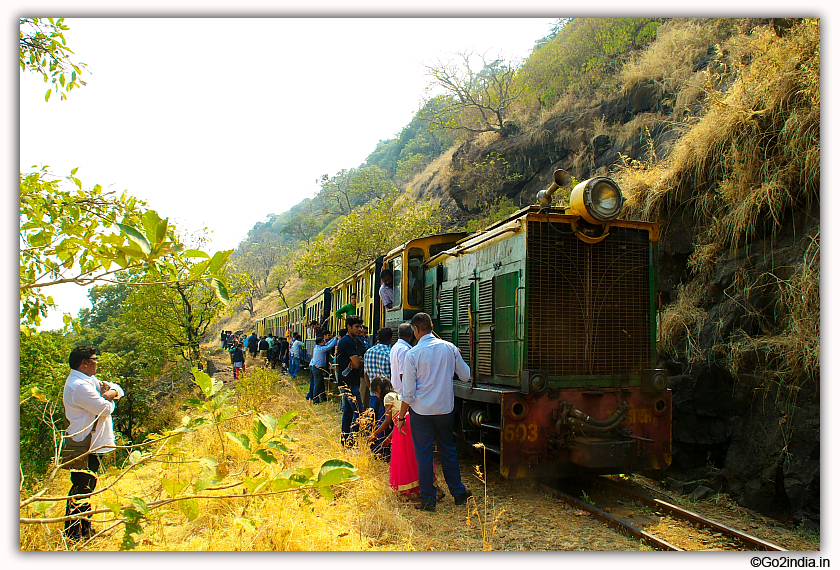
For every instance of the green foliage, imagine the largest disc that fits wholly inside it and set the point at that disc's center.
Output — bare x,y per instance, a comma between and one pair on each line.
363,235
67,235
585,54
43,370
417,145
350,188
486,179
43,50
492,213
106,301
177,314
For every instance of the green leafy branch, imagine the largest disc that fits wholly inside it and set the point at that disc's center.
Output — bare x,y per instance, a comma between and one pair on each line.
69,234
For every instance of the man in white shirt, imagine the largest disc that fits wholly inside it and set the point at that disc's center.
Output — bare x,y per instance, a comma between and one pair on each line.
428,389
398,351
88,405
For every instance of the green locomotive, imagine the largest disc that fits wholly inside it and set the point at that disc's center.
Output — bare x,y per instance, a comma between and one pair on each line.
554,310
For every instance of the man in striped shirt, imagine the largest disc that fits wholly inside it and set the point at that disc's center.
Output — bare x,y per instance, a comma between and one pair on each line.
378,363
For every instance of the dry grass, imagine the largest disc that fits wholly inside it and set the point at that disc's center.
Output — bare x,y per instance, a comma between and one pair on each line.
758,142
683,320
366,514
791,352
669,60
743,168
437,173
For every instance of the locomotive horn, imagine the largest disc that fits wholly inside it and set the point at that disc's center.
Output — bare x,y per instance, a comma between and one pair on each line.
561,179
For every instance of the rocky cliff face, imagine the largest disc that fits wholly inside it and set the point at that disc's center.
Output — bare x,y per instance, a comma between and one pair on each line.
738,434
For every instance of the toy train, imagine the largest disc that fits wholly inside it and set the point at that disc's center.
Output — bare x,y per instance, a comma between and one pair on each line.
554,311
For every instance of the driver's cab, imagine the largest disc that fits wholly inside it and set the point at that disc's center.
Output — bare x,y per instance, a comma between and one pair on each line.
406,263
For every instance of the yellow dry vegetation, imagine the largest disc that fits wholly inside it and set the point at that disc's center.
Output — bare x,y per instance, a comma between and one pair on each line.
365,515
743,168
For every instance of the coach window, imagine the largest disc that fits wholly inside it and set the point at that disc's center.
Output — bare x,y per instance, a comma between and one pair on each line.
397,273
415,277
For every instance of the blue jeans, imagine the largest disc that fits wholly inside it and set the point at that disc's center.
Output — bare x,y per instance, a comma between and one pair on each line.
350,415
294,367
425,430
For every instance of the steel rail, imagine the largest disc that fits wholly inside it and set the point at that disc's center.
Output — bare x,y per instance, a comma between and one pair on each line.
748,540
615,522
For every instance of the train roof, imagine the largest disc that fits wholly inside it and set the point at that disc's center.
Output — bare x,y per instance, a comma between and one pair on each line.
404,245
506,225
318,294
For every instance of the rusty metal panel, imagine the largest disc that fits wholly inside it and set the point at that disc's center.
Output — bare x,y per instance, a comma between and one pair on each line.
530,437
588,305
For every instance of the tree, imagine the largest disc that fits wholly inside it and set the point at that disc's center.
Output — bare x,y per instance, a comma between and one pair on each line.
43,49
281,275
177,313
303,225
384,223
351,188
251,266
67,236
105,301
477,100
43,370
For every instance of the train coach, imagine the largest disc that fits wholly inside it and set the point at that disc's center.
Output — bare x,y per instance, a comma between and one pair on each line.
554,311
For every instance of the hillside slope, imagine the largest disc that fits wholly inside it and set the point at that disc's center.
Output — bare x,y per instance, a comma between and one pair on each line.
713,133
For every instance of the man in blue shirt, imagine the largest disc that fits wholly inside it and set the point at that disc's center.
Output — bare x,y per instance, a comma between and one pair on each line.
318,368
429,392
350,367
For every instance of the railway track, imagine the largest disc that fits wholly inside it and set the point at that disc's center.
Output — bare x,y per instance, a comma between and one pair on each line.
737,540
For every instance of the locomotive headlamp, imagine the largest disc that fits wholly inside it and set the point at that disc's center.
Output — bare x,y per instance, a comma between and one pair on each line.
538,383
654,380
533,382
596,200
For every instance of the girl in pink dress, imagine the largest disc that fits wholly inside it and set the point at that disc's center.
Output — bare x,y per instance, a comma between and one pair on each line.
404,476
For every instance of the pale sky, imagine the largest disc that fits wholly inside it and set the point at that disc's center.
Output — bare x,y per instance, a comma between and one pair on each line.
217,122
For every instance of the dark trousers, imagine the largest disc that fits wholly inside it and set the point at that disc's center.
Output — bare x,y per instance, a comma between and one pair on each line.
82,483
317,388
425,430
350,415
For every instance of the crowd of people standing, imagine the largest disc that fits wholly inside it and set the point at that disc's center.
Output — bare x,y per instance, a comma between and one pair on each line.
405,391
